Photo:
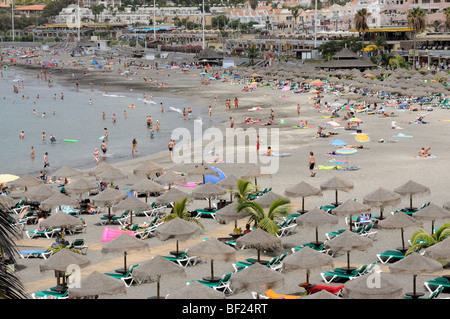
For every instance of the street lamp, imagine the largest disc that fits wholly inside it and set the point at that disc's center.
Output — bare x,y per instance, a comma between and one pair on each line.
12,19
315,23
79,23
203,24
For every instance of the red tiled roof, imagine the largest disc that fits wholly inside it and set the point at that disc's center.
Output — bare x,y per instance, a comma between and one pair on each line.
33,7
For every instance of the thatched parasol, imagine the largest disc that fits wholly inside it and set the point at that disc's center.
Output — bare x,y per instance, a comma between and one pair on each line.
258,239
267,199
111,175
415,264
26,181
257,277
196,290
306,258
108,197
156,267
229,183
170,178
208,191
302,190
80,186
147,168
66,172
178,229
171,196
347,242
373,286
399,220
255,172
122,244
350,207
315,218
40,193
96,284
337,184
203,170
432,212
381,198
131,204
411,188
147,186
214,250
58,200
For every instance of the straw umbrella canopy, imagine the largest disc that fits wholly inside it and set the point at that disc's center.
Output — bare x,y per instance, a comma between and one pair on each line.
172,195
7,202
323,294
96,284
229,183
306,258
267,199
66,172
170,177
147,168
61,262
373,286
58,200
156,267
230,213
40,193
108,197
208,190
61,220
203,170
257,277
381,198
178,229
123,244
302,190
399,220
102,167
415,264
80,186
349,208
196,290
411,188
315,218
132,204
26,181
255,172
111,175
147,186
337,184
439,251
432,212
258,239
347,242
214,250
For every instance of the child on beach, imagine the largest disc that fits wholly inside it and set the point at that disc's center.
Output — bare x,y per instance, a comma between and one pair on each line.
312,163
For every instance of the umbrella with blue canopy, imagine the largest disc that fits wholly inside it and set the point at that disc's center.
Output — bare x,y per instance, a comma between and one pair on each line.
346,151
214,178
338,143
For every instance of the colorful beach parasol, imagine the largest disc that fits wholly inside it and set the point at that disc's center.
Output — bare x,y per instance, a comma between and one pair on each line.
5,178
362,138
347,151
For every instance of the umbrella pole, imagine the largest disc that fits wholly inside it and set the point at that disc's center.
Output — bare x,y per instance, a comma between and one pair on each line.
307,276
259,255
317,235
432,227
157,286
414,284
350,221
212,269
177,246
125,261
348,259
410,202
336,198
303,204
403,238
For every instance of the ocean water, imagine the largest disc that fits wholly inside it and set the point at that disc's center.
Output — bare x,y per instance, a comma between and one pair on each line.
75,118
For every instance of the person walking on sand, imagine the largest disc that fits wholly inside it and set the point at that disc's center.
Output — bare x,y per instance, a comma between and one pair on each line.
298,109
231,122
171,145
257,144
134,147
210,112
312,163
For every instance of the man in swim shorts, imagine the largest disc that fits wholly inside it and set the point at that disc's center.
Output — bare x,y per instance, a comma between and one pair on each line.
312,163
103,148
171,145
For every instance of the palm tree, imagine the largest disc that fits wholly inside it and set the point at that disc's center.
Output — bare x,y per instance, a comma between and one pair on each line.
262,219
254,4
361,22
252,53
180,211
447,17
420,239
295,11
10,286
244,189
416,20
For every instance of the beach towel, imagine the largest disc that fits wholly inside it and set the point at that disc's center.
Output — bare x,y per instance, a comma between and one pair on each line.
402,135
338,162
272,295
333,290
302,127
277,155
329,167
253,122
111,233
420,157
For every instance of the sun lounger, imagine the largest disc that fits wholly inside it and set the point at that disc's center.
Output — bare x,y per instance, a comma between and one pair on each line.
48,233
183,260
222,285
50,294
339,274
25,254
390,256
437,282
272,295
127,277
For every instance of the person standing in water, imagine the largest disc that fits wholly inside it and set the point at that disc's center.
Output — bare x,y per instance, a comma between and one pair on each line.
96,155
134,147
46,163
103,148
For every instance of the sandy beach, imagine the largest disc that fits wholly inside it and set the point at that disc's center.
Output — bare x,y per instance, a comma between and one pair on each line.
387,165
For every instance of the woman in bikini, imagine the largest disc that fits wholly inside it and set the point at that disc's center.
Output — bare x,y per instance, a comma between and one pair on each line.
96,155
